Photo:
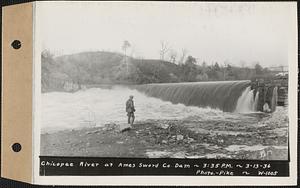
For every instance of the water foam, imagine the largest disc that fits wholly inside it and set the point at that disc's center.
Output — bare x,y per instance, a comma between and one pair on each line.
96,107
247,102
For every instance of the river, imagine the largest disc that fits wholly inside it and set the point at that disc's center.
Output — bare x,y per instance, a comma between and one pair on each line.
99,106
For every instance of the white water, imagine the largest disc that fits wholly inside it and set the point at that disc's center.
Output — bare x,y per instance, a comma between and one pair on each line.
96,107
256,101
246,102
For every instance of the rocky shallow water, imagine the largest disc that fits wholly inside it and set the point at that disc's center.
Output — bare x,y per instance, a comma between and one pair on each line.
186,138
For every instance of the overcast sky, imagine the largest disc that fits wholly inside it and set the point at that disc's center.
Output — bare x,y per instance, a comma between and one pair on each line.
227,32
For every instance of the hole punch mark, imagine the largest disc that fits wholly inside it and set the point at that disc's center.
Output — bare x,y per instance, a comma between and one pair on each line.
16,44
16,147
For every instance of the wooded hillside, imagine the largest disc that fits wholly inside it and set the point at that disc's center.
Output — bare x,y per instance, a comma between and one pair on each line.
70,72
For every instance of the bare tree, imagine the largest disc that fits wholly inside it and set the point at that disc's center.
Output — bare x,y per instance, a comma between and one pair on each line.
125,45
164,48
173,56
183,55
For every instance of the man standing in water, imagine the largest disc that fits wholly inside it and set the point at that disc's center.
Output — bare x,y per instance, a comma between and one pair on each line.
130,110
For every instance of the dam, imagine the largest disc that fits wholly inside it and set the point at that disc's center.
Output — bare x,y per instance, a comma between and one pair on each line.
228,96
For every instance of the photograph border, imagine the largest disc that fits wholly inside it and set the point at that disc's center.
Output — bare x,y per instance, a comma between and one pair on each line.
174,180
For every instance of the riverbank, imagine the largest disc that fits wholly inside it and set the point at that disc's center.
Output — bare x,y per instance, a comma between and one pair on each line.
186,138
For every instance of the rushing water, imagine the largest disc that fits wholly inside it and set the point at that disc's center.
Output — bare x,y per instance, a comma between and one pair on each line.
222,95
247,102
98,106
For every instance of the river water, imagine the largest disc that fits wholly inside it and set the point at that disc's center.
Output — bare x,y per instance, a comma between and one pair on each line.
100,106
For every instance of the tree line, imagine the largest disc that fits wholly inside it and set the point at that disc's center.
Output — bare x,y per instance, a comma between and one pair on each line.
190,70
103,67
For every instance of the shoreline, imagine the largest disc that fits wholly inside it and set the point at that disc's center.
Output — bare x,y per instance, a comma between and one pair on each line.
175,139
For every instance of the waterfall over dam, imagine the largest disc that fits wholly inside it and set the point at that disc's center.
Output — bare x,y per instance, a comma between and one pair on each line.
223,95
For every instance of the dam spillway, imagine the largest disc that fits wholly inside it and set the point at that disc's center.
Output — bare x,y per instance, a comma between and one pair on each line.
223,95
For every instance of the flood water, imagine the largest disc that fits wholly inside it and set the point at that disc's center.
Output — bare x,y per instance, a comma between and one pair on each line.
99,106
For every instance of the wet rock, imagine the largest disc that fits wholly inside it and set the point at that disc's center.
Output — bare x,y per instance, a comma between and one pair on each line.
179,155
124,127
110,127
143,142
164,125
189,140
92,132
179,137
158,154
152,140
97,131
75,144
158,140
193,147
